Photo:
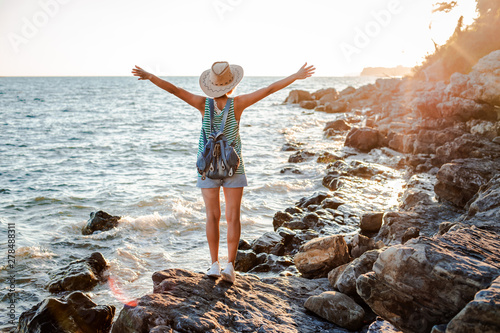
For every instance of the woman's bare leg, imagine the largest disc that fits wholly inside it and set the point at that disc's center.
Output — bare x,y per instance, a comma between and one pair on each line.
212,206
233,206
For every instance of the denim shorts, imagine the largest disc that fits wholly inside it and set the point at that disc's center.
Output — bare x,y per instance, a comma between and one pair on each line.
236,180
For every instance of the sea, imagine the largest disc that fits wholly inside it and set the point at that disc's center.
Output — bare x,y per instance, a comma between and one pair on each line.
70,146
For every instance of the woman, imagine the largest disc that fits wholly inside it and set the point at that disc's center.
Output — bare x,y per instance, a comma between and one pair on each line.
219,82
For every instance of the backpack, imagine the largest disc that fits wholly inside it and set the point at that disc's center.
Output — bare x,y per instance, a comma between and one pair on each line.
218,159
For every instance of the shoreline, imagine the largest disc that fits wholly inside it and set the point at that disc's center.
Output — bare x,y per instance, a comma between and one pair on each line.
448,133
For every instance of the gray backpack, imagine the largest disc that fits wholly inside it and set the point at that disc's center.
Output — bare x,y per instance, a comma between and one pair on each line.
218,159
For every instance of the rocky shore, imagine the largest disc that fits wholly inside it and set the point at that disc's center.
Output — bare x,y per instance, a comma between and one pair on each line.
431,265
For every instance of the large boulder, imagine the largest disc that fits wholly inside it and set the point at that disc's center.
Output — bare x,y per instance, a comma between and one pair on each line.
73,313
319,256
185,301
484,207
82,274
337,308
481,315
428,281
335,106
100,221
297,96
458,181
363,139
322,92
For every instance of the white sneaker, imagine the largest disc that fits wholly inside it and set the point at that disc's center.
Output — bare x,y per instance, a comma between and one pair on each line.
214,271
229,274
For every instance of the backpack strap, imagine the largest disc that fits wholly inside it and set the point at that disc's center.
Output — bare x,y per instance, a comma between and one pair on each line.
211,102
226,112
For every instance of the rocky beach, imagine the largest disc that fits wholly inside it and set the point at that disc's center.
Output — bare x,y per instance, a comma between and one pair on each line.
331,265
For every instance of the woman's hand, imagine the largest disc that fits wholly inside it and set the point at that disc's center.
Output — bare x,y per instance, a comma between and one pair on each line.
141,73
305,72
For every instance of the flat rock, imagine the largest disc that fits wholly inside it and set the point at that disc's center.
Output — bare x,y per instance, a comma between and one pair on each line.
337,308
184,301
427,281
73,313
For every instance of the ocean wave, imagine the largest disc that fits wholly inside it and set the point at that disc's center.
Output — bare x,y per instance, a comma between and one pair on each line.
32,252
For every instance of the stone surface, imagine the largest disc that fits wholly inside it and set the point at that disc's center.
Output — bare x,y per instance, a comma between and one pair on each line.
322,92
269,242
335,107
309,105
363,139
482,315
382,326
484,207
338,308
337,125
428,281
319,256
458,181
297,96
248,259
185,301
82,274
346,281
74,313
100,221
371,222
300,156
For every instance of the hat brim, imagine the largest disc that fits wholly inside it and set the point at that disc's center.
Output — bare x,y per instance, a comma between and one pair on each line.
216,91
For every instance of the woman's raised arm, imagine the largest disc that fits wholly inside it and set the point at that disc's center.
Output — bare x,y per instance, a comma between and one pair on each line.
196,101
243,101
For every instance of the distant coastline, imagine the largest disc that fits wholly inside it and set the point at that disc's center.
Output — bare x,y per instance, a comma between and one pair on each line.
385,71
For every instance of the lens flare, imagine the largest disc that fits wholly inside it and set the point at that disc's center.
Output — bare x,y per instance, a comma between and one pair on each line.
119,294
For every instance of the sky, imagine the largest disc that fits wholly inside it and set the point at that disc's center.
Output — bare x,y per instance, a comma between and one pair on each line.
183,38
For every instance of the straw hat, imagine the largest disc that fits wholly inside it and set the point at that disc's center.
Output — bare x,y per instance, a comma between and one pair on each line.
220,79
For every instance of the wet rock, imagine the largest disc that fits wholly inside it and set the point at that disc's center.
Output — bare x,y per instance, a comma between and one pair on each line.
337,308
297,96
335,107
337,125
488,129
382,326
280,218
444,273
300,156
269,242
346,281
458,181
248,259
73,313
326,157
287,234
322,92
363,139
309,105
310,219
289,146
314,199
332,203
481,314
292,170
100,221
371,222
185,301
294,210
484,207
83,274
319,256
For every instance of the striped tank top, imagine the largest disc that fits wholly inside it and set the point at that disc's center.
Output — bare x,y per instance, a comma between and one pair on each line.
231,131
